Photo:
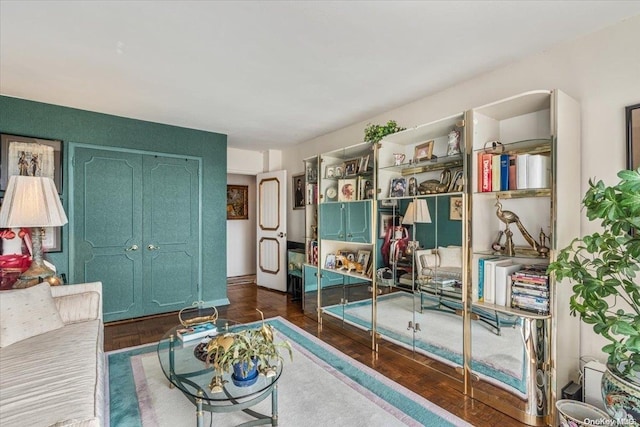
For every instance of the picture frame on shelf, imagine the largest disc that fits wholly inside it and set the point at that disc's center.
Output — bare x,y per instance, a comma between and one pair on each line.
338,171
363,258
455,208
298,191
347,190
398,187
30,156
351,167
386,222
330,261
312,174
633,136
364,164
423,151
330,172
237,202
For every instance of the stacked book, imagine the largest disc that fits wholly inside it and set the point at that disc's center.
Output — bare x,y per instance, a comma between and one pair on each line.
530,289
197,331
502,172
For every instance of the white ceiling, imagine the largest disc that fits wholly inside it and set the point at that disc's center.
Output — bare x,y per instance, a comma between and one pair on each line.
271,73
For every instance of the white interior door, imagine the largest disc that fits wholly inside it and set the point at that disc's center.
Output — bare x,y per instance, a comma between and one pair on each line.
271,232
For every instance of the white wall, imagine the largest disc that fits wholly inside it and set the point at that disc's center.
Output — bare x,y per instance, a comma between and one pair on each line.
600,70
241,233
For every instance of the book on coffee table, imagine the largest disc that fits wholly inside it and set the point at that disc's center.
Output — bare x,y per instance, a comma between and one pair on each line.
197,331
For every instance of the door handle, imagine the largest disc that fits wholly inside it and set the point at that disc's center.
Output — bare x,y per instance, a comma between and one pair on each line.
153,247
132,248
281,234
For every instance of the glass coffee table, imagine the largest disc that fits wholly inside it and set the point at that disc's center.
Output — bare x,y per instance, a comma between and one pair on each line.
193,378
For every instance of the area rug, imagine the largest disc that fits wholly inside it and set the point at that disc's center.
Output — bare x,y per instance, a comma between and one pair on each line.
320,387
498,359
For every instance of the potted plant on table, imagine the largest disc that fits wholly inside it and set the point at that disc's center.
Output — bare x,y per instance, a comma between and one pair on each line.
604,268
247,353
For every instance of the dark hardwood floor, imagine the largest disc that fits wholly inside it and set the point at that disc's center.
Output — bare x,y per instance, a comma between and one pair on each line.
245,298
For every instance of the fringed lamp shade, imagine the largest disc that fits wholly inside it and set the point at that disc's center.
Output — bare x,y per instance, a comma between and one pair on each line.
31,201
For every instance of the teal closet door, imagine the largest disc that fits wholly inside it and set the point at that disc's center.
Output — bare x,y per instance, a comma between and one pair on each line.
358,222
107,232
136,228
171,233
331,221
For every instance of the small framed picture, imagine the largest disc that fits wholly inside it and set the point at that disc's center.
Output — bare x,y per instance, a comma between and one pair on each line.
364,163
423,151
346,190
363,258
338,171
330,172
455,208
298,191
330,261
237,202
386,222
398,187
351,167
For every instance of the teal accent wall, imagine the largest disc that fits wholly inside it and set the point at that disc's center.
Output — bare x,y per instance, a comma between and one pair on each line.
35,119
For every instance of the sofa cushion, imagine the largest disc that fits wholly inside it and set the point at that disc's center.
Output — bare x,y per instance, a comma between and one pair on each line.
78,307
450,256
25,313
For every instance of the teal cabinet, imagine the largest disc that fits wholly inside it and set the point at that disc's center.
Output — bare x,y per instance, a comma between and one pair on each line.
349,222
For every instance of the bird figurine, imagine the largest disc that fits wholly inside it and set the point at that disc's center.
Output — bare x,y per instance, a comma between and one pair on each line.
510,217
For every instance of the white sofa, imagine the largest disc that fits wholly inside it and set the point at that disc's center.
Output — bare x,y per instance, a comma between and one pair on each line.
51,356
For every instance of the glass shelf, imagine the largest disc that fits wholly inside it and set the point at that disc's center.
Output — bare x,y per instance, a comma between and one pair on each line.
510,311
435,164
530,146
517,194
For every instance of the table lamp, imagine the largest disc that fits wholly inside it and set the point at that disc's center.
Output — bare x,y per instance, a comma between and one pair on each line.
417,211
33,201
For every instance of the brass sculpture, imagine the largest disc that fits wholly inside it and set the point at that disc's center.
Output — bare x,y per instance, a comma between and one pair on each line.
510,217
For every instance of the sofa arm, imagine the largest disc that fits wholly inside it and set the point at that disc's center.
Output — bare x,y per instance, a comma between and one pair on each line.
78,302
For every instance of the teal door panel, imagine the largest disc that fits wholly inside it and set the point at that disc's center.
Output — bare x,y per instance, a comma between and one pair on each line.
332,221
330,278
106,229
171,233
310,278
358,222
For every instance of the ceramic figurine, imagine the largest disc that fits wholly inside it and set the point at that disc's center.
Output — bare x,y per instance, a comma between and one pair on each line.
454,143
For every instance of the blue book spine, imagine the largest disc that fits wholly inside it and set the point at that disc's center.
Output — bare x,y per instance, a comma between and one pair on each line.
481,279
504,172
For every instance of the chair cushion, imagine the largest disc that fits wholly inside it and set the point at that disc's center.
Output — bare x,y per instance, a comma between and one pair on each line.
450,256
25,313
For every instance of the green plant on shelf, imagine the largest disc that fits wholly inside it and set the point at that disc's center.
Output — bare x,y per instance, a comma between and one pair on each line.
375,133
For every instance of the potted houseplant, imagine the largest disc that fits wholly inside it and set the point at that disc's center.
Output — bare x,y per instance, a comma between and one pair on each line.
246,353
604,268
375,133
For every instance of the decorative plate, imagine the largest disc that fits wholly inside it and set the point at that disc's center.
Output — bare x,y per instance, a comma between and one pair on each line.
332,193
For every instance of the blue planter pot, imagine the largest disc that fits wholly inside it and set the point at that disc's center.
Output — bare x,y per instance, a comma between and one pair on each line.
243,376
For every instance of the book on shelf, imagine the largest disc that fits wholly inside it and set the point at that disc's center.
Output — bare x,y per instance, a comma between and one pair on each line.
196,331
495,172
521,171
489,279
504,172
484,170
512,172
479,294
531,304
517,289
538,171
503,281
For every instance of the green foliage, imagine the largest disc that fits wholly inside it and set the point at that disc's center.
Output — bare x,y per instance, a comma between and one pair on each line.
375,133
604,268
250,346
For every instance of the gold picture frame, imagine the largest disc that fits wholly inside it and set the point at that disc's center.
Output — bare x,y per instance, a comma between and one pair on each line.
423,151
237,202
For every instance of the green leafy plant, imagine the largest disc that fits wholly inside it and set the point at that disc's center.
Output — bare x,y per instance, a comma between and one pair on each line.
247,348
604,266
375,133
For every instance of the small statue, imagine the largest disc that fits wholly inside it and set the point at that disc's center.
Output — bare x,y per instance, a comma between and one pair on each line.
454,143
509,217
413,186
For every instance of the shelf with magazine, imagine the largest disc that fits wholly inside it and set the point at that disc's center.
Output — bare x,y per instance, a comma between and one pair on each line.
310,266
521,186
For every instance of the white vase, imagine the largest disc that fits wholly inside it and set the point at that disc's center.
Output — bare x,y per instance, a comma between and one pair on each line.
573,413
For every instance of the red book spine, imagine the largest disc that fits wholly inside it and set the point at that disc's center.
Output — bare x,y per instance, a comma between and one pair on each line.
486,172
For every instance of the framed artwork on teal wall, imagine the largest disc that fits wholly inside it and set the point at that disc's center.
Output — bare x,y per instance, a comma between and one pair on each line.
29,156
